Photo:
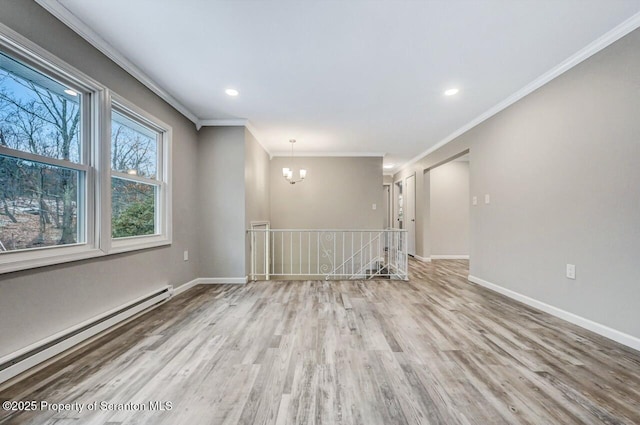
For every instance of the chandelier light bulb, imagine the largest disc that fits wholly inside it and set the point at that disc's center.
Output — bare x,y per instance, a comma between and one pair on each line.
287,172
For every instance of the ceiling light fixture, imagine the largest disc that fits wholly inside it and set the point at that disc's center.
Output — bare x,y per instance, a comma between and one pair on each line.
71,92
451,92
388,166
287,173
232,92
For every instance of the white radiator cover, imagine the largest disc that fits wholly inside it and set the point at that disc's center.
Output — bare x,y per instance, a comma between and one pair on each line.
47,348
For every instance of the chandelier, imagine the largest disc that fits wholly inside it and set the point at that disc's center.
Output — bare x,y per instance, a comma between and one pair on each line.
287,173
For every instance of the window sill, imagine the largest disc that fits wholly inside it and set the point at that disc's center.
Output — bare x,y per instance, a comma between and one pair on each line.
21,260
26,260
136,243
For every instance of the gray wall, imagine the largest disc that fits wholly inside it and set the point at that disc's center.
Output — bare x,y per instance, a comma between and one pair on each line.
257,187
449,204
423,214
221,202
338,193
37,303
233,171
561,168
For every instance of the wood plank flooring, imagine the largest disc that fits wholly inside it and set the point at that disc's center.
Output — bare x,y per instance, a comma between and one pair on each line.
434,350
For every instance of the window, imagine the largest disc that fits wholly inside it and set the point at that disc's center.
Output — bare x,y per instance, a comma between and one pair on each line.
83,172
43,159
139,180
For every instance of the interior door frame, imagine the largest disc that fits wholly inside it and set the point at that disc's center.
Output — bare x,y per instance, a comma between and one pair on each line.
388,186
411,250
395,204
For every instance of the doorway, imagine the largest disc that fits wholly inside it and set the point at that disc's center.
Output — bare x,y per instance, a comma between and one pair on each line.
398,207
410,213
386,196
405,210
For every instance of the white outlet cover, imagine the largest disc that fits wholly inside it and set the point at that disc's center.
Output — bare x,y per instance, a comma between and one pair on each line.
474,200
571,271
186,256
487,199
374,206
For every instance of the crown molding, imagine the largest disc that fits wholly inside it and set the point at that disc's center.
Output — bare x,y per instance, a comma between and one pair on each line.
233,122
581,55
256,135
72,21
333,154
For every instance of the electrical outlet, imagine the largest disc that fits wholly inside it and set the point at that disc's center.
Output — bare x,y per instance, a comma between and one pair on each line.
487,199
571,271
474,200
374,206
186,256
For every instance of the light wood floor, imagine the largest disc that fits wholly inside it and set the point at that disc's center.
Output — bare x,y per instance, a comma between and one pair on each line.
435,350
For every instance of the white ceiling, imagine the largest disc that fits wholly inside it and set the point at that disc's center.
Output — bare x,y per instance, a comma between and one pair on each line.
347,76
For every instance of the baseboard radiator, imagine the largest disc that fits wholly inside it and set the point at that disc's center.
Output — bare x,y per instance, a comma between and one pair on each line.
22,360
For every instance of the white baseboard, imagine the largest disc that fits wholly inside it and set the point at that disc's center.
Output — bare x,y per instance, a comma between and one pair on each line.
29,365
600,329
449,257
222,280
423,259
185,287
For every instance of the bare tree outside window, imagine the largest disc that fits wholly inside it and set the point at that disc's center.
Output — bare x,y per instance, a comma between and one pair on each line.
41,202
134,153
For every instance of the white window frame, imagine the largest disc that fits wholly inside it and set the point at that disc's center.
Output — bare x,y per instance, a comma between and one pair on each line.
94,94
162,182
95,163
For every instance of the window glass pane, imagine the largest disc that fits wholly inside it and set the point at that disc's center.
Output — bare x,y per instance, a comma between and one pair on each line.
37,114
38,205
133,208
133,147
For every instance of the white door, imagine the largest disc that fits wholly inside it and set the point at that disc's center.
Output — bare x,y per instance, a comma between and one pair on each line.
410,213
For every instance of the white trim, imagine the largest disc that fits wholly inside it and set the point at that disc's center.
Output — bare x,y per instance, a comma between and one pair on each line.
335,154
238,122
255,134
73,341
135,178
69,19
59,163
591,49
423,259
63,14
449,257
607,332
185,287
163,182
47,64
223,280
40,257
135,243
233,122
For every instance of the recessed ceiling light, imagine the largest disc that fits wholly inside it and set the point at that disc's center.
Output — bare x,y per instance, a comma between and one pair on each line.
71,92
389,166
451,92
231,92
